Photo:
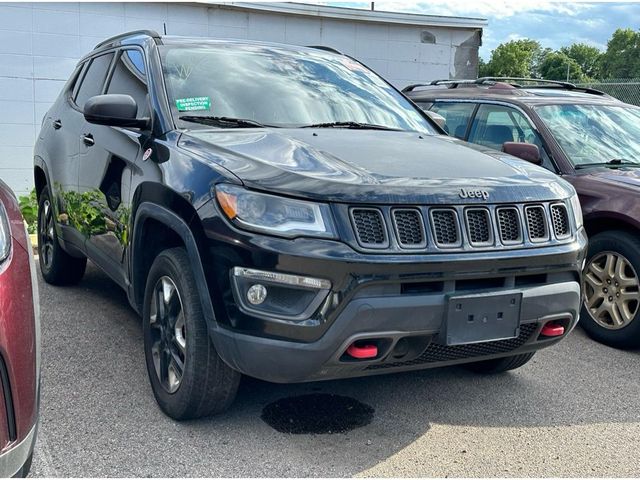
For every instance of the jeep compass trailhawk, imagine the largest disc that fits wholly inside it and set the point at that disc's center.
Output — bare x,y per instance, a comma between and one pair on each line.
283,212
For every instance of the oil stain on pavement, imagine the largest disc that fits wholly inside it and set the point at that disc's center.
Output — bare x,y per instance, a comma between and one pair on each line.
317,413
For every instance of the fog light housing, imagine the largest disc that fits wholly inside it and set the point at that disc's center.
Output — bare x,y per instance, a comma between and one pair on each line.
256,294
277,296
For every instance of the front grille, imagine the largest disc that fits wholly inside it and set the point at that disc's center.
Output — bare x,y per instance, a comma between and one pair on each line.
560,220
443,353
536,223
409,227
369,227
445,227
478,226
418,228
509,225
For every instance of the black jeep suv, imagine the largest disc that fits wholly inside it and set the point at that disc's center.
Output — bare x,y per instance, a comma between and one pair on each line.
593,141
283,212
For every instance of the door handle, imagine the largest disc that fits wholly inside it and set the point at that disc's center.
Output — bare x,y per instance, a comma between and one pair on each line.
57,124
88,140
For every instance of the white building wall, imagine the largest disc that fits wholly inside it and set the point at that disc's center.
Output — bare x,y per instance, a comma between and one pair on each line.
40,43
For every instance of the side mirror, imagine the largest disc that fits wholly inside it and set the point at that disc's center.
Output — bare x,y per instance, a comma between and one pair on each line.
525,151
436,117
114,110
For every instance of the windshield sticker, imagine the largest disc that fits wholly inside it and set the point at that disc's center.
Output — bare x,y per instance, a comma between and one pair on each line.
192,104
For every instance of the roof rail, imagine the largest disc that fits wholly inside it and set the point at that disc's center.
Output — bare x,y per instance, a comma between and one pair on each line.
326,49
543,84
567,85
448,83
509,81
149,33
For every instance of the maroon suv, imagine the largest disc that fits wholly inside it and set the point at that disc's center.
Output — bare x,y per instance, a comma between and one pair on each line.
591,140
19,341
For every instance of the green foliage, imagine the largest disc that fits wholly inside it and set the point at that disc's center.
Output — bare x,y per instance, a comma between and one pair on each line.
86,212
587,57
622,58
29,208
555,66
517,58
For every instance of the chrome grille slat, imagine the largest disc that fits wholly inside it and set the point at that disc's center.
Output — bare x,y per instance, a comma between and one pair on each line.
509,225
478,222
446,230
560,220
409,227
536,223
370,227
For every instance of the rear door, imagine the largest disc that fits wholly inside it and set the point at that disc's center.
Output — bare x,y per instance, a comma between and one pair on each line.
106,167
457,116
68,124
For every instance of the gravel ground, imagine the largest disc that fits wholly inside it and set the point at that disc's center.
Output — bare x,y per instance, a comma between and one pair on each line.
572,411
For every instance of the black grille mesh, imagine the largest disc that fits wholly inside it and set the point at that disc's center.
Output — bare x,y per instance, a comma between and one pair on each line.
536,223
560,220
369,226
478,225
509,224
409,227
445,227
442,353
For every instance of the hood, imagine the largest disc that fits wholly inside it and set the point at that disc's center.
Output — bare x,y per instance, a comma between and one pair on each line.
372,166
615,176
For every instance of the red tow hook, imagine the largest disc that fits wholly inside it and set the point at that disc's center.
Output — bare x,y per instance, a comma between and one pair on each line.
552,330
362,351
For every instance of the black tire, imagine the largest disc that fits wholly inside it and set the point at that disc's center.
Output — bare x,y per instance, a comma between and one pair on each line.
26,468
499,365
56,265
207,385
628,245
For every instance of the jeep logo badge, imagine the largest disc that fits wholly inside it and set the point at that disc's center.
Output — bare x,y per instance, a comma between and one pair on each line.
471,193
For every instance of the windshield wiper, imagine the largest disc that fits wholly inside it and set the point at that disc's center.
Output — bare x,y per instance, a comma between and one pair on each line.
356,125
614,162
228,122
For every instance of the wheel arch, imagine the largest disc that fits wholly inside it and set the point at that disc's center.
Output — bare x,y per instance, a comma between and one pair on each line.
614,221
40,175
163,219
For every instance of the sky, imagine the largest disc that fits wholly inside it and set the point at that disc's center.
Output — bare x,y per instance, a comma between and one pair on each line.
553,23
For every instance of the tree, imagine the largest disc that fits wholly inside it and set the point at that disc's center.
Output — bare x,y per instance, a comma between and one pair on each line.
517,58
588,57
622,58
554,67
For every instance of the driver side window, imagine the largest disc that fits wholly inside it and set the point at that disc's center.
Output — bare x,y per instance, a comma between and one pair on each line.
494,125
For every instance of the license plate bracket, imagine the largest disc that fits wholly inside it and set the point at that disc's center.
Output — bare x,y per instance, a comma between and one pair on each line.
482,318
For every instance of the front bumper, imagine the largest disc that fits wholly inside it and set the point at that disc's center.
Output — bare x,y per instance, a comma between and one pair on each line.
388,298
14,458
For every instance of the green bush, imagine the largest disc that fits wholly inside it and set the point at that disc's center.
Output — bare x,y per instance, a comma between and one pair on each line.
29,208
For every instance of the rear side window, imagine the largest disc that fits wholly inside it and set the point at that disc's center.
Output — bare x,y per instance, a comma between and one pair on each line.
129,78
456,116
93,80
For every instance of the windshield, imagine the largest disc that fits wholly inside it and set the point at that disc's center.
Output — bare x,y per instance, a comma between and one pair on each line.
595,134
280,87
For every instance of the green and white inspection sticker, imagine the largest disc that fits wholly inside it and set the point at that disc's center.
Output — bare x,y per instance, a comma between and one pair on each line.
192,104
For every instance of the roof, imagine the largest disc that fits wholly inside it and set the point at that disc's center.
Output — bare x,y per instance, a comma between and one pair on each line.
554,93
354,14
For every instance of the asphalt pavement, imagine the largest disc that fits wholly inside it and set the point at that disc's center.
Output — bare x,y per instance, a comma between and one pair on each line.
574,410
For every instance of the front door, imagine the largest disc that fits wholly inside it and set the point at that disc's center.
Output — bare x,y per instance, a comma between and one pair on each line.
107,157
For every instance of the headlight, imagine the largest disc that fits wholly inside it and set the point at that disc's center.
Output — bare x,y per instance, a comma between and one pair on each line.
281,216
577,210
5,234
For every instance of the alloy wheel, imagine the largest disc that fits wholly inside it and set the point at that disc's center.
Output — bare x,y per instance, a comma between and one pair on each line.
168,334
45,237
612,290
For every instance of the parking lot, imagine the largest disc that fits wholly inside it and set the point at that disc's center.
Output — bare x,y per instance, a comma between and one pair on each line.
574,410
